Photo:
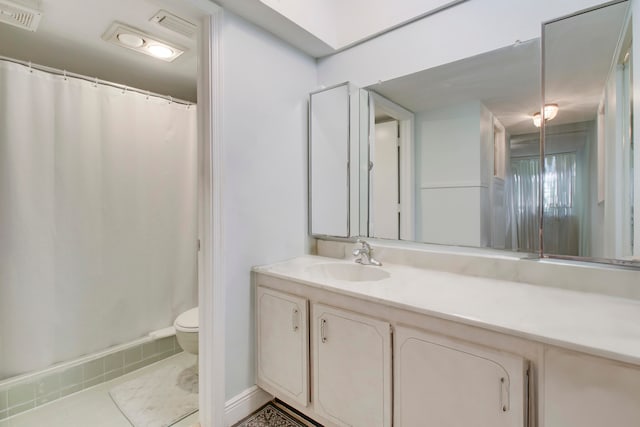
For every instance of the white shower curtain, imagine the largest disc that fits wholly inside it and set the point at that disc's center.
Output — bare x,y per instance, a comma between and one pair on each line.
97,216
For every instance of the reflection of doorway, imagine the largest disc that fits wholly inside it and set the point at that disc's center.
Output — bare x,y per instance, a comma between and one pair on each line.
384,218
391,177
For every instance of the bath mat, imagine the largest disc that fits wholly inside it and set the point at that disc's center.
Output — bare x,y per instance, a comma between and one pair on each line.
162,397
269,416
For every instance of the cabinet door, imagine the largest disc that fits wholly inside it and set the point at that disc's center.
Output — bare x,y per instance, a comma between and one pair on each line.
352,368
442,382
584,391
283,340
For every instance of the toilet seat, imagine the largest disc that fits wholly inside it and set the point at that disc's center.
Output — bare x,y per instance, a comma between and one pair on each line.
187,321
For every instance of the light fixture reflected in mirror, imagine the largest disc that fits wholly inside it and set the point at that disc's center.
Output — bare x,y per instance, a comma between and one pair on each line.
550,112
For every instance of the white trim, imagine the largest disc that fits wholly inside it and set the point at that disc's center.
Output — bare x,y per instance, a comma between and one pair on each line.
407,179
391,108
210,283
244,404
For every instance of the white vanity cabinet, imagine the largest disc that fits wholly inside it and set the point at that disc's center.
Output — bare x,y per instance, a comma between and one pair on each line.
443,382
351,368
586,391
283,344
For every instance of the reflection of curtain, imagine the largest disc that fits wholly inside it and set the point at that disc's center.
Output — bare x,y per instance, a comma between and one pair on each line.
524,187
561,220
97,216
561,215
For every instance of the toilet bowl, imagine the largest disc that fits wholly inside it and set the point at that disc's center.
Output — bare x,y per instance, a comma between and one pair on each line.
186,326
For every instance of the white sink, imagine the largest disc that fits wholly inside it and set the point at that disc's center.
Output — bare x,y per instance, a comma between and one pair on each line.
349,272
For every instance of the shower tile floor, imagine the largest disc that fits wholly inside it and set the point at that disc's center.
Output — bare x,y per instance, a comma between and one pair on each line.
92,407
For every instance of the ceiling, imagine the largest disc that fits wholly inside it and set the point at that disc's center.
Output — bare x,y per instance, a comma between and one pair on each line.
69,38
324,27
507,81
579,54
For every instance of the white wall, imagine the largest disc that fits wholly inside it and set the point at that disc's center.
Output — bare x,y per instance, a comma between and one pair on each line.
315,16
265,89
448,145
464,30
358,19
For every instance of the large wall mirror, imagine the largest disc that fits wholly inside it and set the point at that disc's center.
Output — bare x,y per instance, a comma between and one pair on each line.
461,154
589,155
449,151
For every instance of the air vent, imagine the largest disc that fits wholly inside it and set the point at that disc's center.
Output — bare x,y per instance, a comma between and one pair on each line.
174,23
19,15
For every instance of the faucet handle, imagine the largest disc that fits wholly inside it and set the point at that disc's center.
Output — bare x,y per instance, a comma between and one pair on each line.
363,244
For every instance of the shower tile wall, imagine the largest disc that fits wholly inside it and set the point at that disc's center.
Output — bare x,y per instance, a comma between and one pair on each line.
21,396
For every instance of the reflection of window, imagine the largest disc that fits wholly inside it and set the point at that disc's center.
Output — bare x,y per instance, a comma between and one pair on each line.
559,181
559,201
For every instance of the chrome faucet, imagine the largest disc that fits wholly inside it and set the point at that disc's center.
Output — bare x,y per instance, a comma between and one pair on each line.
364,252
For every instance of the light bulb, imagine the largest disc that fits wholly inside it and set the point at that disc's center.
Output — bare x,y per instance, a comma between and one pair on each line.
130,40
160,51
550,112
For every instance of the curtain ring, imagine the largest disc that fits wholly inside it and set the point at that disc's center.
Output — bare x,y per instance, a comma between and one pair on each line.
64,74
124,90
170,100
147,95
30,68
95,82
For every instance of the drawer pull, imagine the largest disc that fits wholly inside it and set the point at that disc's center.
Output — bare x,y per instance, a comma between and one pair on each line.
323,332
504,394
295,320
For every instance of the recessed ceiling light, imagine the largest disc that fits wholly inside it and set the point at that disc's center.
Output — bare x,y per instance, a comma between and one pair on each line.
160,51
131,38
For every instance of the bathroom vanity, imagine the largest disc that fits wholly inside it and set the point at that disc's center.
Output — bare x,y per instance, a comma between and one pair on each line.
354,345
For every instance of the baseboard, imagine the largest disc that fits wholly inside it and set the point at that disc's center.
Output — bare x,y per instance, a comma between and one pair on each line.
244,404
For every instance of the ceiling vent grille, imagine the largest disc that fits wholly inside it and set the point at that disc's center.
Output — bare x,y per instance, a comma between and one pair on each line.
174,23
19,15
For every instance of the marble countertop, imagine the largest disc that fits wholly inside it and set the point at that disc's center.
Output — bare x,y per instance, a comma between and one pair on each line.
595,324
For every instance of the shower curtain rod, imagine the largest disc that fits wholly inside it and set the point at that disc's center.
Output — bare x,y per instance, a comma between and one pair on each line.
96,80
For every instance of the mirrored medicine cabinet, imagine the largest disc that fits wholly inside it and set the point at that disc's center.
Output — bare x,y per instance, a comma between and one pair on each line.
452,155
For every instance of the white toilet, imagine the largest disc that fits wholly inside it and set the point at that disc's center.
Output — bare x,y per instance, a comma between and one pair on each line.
187,330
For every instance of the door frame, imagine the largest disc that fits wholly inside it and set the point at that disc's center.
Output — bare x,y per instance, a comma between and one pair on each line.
406,122
211,295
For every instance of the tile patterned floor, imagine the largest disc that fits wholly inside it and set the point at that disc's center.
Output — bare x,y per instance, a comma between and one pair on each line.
270,416
92,407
